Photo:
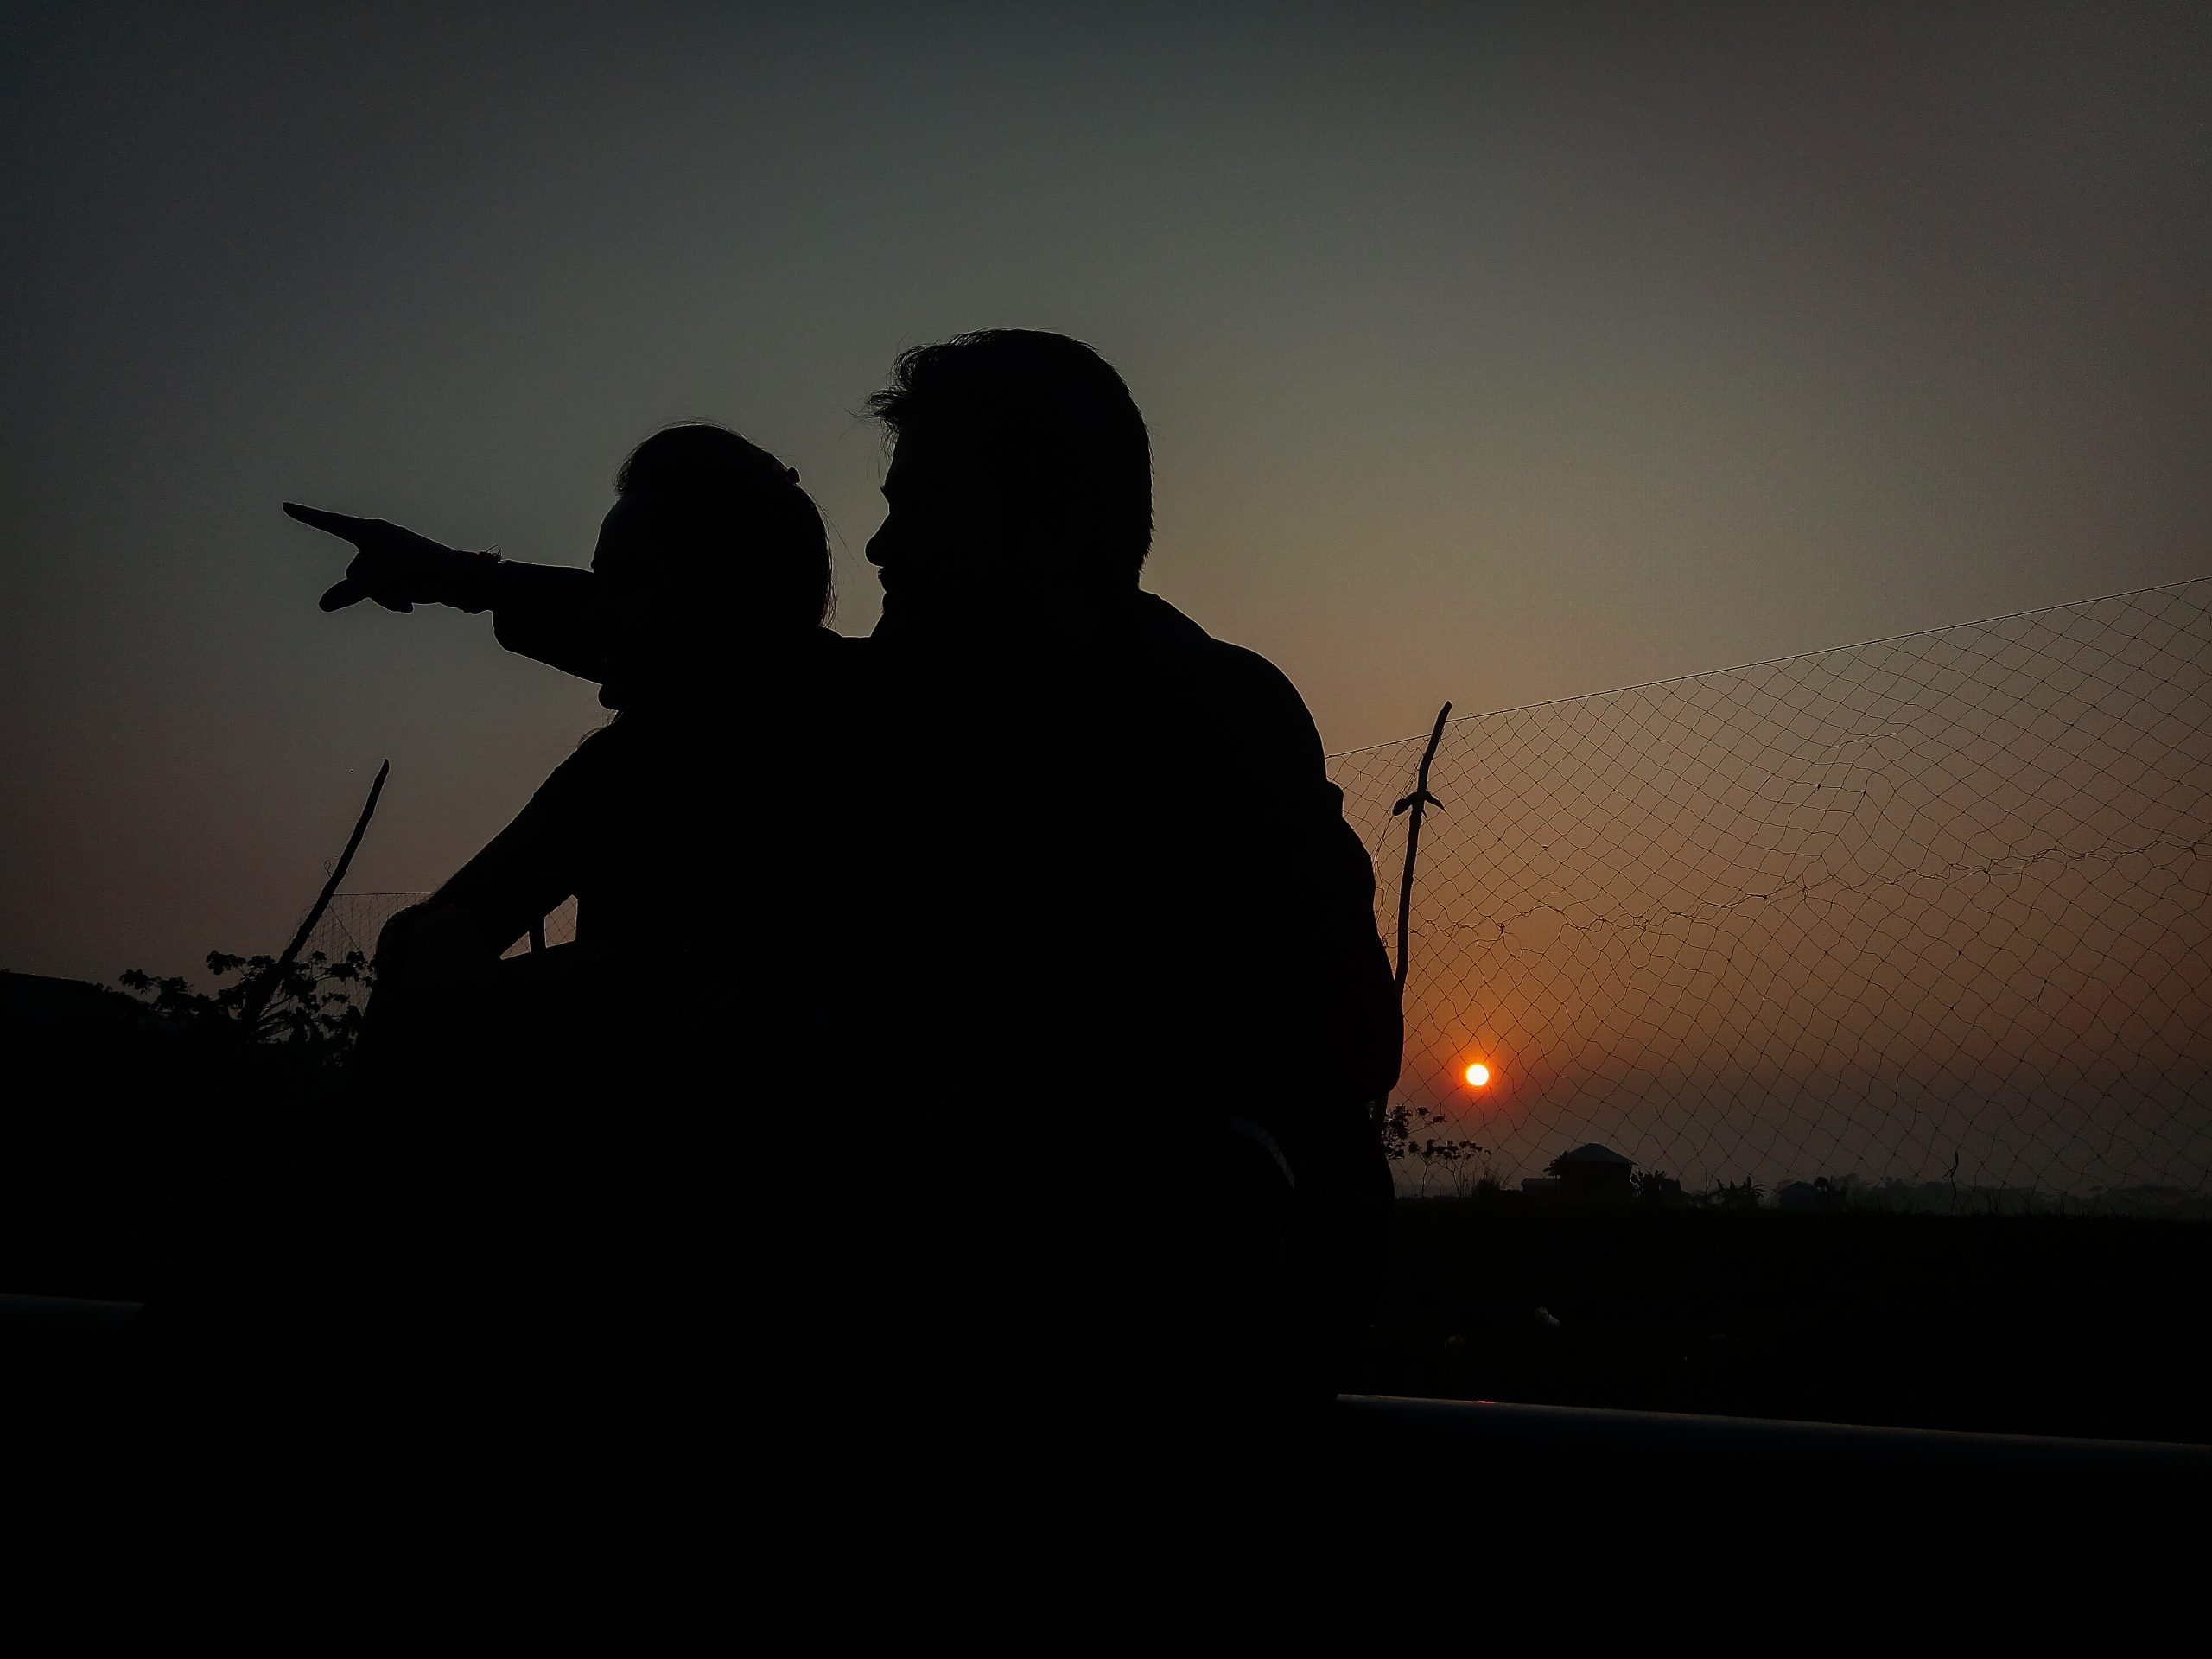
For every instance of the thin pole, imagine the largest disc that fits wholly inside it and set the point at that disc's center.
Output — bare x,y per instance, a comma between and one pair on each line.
1417,803
257,999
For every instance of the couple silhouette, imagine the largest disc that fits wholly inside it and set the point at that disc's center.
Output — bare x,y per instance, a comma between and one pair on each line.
967,1048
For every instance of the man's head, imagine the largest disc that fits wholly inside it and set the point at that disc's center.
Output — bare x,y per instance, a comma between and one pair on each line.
1021,468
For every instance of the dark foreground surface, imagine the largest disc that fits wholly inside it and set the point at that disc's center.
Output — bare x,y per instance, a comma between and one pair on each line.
2044,1325
1401,1527
2080,1325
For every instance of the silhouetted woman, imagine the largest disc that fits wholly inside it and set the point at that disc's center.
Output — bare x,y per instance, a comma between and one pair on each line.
585,1249
614,1117
689,832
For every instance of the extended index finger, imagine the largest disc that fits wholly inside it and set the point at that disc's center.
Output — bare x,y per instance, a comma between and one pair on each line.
338,523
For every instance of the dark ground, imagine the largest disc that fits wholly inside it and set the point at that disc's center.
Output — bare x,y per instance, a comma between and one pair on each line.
113,1152
2076,1327
2082,1325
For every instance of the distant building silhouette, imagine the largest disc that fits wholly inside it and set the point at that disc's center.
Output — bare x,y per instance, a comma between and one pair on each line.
1593,1174
1821,1194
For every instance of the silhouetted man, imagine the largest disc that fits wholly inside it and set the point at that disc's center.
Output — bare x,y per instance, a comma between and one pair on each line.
1130,931
1126,987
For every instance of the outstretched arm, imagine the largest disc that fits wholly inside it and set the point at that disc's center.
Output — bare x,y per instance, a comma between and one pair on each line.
544,612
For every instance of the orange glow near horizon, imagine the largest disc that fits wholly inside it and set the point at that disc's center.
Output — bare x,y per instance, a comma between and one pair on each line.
1477,1075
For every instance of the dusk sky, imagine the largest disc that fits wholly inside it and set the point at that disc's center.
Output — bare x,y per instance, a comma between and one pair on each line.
1493,353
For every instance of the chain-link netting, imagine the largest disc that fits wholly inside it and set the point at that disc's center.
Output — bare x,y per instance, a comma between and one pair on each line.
1928,910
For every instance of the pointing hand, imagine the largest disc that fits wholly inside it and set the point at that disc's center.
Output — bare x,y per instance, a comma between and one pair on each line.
398,569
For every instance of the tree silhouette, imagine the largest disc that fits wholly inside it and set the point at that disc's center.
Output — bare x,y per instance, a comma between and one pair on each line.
1743,1195
313,1006
1420,1132
1656,1186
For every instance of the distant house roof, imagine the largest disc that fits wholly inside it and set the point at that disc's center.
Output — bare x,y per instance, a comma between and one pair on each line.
1591,1153
1803,1188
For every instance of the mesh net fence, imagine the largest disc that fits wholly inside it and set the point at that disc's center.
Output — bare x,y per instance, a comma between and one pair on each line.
1925,913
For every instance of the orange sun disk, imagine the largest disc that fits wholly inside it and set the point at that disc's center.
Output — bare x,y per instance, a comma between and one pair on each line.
1477,1075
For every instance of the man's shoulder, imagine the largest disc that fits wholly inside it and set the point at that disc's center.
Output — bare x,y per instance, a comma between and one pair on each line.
1236,668
1233,681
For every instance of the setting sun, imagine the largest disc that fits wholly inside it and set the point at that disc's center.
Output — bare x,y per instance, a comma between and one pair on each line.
1477,1075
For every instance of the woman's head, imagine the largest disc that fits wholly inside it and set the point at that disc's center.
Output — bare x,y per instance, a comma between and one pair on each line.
709,536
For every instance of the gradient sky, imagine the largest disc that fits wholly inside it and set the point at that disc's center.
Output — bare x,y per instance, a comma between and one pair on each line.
1490,353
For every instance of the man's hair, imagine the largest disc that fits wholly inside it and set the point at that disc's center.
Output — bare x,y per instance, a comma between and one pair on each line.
736,515
1073,446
